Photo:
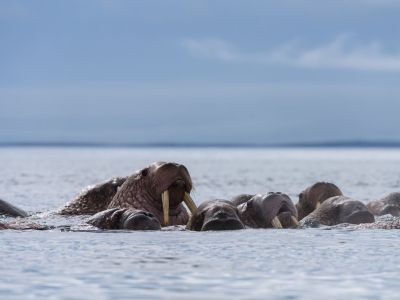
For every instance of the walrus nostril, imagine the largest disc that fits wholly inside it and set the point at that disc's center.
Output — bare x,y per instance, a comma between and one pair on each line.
147,214
221,215
179,183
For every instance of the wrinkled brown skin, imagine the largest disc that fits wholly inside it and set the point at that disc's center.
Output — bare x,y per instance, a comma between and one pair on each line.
141,191
389,204
258,211
94,199
337,210
124,218
318,192
215,215
393,224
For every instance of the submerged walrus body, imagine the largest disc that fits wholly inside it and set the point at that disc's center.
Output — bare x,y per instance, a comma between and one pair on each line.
158,189
389,224
10,210
124,218
273,210
23,225
7,209
337,210
389,204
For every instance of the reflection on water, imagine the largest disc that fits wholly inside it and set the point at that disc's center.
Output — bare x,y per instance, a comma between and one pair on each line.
175,264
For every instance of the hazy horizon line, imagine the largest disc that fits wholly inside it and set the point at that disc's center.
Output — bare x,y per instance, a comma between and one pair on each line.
319,144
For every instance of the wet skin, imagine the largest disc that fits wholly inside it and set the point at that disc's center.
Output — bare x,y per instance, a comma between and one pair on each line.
10,210
337,210
390,224
215,215
272,210
124,218
312,197
389,204
23,225
158,189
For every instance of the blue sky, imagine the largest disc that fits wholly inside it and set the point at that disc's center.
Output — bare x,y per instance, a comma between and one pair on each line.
199,71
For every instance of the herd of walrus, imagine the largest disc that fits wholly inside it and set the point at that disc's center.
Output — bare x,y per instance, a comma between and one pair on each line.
153,198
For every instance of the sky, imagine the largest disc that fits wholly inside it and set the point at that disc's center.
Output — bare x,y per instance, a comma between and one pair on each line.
220,71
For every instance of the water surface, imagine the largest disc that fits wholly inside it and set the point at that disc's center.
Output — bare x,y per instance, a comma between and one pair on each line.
247,264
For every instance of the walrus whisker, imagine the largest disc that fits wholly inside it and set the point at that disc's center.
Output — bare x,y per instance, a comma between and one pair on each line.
190,203
295,221
276,223
165,203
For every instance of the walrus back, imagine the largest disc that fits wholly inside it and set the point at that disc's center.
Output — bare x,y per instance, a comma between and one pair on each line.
94,199
10,210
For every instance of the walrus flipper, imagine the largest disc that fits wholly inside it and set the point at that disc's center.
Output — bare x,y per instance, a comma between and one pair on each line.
94,199
10,210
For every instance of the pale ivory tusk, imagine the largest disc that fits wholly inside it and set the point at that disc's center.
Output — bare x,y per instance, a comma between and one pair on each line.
276,223
317,205
190,203
165,204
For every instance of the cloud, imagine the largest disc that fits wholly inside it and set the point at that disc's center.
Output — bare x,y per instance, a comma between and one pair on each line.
340,53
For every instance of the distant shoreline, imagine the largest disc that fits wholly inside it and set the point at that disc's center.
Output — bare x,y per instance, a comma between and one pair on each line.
334,144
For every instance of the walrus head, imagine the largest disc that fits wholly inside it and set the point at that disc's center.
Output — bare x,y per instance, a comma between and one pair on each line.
337,210
159,189
272,210
215,215
389,204
124,218
312,197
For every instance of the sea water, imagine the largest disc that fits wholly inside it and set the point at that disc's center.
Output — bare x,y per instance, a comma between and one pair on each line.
245,264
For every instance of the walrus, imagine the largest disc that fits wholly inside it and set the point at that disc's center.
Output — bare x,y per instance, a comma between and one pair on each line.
23,225
312,197
389,204
215,214
337,210
272,210
387,224
159,189
124,218
10,210
94,199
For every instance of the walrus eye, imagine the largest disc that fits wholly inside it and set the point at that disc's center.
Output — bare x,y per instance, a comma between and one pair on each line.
144,172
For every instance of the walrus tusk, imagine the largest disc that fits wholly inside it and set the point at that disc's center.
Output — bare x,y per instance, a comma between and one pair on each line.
295,221
165,204
317,205
276,223
190,203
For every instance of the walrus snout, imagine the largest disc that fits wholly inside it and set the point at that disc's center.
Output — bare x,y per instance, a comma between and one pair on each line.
140,220
223,224
216,214
222,217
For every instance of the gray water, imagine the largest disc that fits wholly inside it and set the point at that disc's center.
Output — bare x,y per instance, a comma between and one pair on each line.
247,264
